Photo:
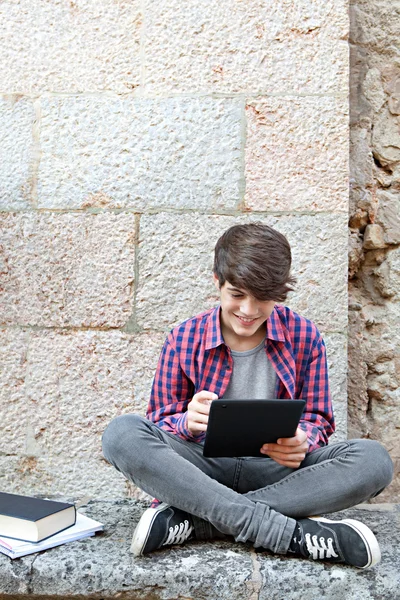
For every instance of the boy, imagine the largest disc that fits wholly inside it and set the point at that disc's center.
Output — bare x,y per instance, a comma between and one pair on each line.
248,347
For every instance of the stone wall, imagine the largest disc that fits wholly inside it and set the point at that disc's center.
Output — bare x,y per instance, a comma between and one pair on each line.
132,134
374,316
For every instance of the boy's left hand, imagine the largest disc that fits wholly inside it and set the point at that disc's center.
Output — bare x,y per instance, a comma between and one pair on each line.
289,452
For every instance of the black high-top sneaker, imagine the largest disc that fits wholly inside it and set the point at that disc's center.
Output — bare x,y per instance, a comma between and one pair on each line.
161,526
348,541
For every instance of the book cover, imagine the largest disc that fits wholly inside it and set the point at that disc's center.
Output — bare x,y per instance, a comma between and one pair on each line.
84,527
33,519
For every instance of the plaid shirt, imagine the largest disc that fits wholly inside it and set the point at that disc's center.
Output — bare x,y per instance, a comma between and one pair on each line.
195,358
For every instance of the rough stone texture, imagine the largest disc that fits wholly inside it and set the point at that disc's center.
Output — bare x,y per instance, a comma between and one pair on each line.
61,390
297,154
175,256
143,154
253,47
79,46
336,349
102,567
13,356
374,346
66,269
16,147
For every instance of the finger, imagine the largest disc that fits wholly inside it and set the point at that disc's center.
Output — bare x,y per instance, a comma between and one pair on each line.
200,407
274,448
196,417
297,440
196,427
288,463
204,396
286,448
298,458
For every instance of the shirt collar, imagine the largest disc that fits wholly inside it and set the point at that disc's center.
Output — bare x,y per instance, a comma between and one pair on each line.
274,330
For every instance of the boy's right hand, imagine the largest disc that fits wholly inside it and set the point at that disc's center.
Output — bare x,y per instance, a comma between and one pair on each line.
198,411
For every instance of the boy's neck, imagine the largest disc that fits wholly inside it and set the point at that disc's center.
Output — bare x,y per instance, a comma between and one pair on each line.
242,343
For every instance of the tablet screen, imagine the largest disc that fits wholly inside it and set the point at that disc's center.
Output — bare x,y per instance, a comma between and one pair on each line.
241,427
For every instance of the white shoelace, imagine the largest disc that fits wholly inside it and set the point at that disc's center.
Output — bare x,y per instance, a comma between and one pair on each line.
179,533
322,550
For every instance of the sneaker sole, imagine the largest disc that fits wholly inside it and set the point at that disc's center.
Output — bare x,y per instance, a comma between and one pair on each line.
369,539
143,528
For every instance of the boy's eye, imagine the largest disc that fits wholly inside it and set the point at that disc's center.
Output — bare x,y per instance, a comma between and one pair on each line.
237,295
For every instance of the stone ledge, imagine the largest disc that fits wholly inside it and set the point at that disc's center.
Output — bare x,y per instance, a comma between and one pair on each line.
102,568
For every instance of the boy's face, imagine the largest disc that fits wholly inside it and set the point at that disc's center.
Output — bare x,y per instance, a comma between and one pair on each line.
242,315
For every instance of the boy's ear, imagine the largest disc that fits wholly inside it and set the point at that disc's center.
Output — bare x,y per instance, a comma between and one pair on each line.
216,282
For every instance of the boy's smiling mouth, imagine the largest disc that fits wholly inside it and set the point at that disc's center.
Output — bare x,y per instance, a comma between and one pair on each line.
246,320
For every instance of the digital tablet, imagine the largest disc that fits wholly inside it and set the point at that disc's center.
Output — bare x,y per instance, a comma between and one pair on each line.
241,427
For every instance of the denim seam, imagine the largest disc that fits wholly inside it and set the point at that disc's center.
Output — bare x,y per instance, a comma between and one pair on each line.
236,476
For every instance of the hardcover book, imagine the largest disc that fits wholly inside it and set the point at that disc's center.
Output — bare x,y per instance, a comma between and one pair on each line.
33,519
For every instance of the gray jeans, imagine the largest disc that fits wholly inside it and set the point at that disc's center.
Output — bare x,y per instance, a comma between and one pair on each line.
251,499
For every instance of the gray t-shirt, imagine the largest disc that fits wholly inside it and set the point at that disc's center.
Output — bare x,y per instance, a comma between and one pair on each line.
253,376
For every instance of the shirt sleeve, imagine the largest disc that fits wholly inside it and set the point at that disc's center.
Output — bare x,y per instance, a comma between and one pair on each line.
317,420
171,392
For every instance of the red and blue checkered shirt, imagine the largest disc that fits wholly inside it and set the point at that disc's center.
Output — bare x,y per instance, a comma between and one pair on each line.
195,358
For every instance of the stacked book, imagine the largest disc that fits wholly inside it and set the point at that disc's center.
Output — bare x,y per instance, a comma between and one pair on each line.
28,525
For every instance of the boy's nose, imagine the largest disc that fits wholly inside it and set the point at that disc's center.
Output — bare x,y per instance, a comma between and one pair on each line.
249,308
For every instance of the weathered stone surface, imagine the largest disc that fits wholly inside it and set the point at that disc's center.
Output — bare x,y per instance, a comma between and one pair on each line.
373,237
245,46
374,334
373,89
383,381
375,26
175,266
374,351
14,413
336,349
59,476
143,154
356,253
59,391
102,567
16,147
297,154
386,139
81,46
361,159
67,269
389,215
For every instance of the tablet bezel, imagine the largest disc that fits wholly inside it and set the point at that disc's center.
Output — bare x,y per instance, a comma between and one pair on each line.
239,428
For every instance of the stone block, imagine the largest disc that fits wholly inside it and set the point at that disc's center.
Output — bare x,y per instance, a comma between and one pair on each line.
142,154
176,257
297,154
361,159
373,237
373,89
80,46
102,568
67,269
251,46
16,152
386,139
376,28
389,215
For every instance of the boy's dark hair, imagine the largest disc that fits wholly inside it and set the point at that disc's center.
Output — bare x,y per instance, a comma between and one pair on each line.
255,258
